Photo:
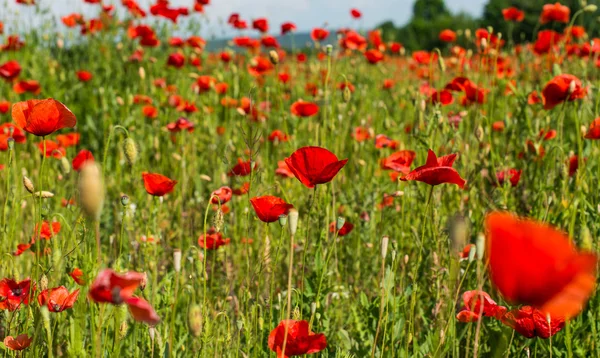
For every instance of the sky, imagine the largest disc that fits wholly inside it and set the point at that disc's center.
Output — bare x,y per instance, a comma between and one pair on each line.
306,14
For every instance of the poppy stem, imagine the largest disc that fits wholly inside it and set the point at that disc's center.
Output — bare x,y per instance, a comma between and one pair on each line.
289,292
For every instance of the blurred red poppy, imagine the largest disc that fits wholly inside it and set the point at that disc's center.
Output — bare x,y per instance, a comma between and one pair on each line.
4,106
345,230
47,230
261,25
594,131
374,56
68,139
477,304
31,86
287,27
57,299
399,161
77,276
53,149
304,109
84,76
84,156
447,35
142,311
223,195
241,168
18,343
383,141
150,111
157,184
562,88
314,165
319,34
355,13
513,14
110,287
555,12
14,294
436,171
513,175
531,322
283,170
213,240
259,66
42,117
534,264
300,340
269,208
10,70
176,60
9,130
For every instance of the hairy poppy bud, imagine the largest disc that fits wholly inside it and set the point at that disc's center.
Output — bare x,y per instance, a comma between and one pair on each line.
143,281
43,194
177,260
142,73
313,308
218,220
293,220
283,220
11,143
590,8
479,133
468,34
480,243
65,165
347,94
384,246
28,184
123,329
195,320
340,223
91,190
586,239
274,57
131,151
441,63
472,253
484,43
151,332
43,282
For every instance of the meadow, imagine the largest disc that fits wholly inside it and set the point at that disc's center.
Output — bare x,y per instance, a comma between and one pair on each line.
347,200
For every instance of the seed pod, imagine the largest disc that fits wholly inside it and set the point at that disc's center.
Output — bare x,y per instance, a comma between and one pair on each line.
131,151
480,243
177,260
28,184
283,220
274,57
124,200
293,220
91,190
195,320
384,246
65,165
328,50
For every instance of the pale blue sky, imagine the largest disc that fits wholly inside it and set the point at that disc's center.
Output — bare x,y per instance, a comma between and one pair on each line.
305,13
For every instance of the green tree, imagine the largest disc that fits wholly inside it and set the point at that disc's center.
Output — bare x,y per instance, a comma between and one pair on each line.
429,10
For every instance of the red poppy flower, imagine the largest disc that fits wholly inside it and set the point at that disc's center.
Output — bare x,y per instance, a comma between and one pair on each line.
57,299
443,97
396,47
514,176
18,343
556,12
68,139
110,287
221,88
531,322
53,149
374,56
278,135
213,240
304,109
244,189
259,66
84,156
150,111
477,304
594,131
176,60
241,168
48,230
319,34
573,164
447,35
269,208
157,184
283,170
84,76
142,311
21,248
300,340
269,42
77,276
13,294
31,86
562,88
223,195
534,264
361,134
181,124
261,25
9,130
314,165
513,14
383,141
287,27
437,171
42,117
399,161
10,70
345,230
4,106
355,13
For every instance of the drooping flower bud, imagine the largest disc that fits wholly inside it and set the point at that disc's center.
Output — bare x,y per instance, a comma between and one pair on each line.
28,184
195,320
130,150
91,190
274,57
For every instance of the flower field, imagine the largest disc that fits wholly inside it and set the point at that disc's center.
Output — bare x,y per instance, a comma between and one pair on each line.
349,198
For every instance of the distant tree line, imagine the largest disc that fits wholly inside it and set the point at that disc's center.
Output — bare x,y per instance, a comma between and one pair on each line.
432,16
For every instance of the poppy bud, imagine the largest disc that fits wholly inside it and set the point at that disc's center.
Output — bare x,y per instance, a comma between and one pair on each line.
46,318
65,165
143,281
484,43
586,239
479,133
142,73
43,282
480,243
572,87
340,223
472,253
384,246
347,94
28,184
441,63
123,329
43,194
124,200
283,220
293,220
468,34
405,259
151,332
218,220
274,57
458,233
296,314
195,320
328,50
590,8
177,260
313,308
393,255
131,151
91,190
11,143
556,71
